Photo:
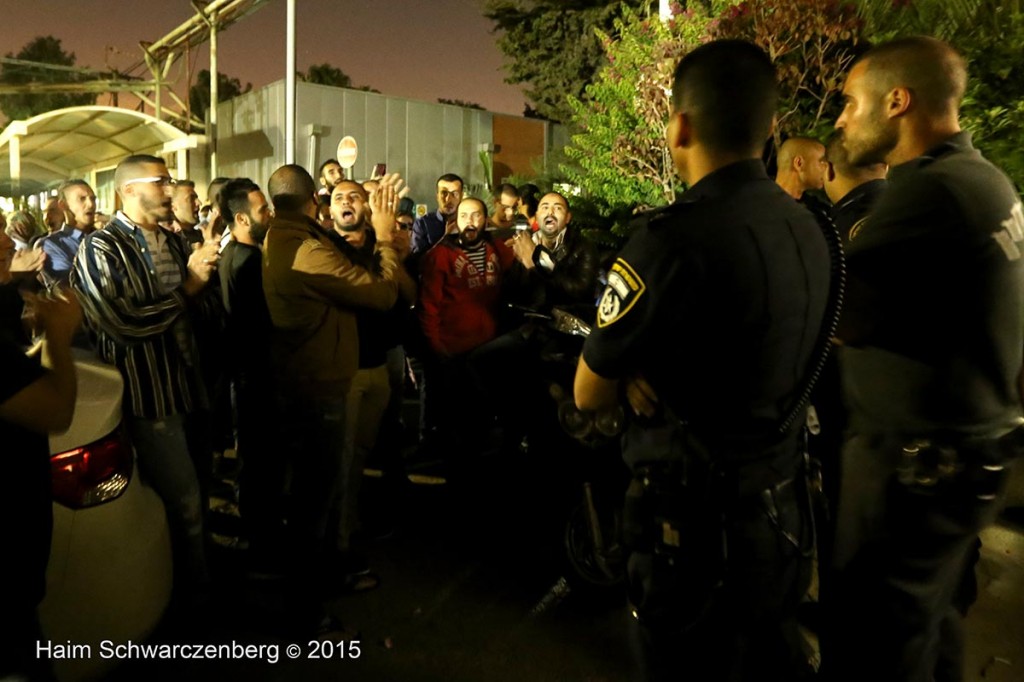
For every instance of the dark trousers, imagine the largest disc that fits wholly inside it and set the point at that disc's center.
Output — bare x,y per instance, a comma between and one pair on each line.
900,561
457,411
747,629
312,432
262,480
312,437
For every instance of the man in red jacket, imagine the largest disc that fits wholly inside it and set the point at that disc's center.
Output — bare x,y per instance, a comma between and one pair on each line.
461,285
459,305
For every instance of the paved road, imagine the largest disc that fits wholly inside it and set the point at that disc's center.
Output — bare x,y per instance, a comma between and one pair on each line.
467,595
470,590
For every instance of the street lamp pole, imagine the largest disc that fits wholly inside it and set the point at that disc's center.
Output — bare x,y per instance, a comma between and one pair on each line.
289,89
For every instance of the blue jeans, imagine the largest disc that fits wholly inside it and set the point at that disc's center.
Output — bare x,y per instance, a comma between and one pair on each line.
161,446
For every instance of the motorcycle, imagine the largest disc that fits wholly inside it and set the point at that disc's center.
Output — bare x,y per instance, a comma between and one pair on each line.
586,446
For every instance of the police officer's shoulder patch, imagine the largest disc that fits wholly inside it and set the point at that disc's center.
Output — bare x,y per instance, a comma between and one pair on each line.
624,289
855,230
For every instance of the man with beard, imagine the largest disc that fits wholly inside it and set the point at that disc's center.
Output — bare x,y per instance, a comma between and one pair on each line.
556,267
379,331
248,331
331,173
140,289
430,229
932,334
459,305
562,264
461,285
77,201
312,292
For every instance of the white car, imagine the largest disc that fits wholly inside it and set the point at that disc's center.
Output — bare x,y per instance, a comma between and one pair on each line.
110,570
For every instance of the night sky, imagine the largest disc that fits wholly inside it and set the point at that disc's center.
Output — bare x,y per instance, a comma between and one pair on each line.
417,49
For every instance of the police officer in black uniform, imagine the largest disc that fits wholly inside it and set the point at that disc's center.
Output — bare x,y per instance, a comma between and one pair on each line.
718,303
933,332
853,190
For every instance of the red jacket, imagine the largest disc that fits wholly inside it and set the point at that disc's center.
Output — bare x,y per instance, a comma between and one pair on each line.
458,306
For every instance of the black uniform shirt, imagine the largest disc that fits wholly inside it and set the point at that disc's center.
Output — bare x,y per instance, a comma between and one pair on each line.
718,301
850,213
935,307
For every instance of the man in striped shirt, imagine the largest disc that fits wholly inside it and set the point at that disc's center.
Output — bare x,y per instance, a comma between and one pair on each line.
140,290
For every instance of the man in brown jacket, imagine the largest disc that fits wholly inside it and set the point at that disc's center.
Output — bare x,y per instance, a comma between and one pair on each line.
312,291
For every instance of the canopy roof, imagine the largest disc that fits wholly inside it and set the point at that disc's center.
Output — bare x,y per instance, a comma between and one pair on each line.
71,142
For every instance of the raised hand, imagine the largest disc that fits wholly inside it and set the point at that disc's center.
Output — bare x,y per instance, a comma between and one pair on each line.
523,246
395,180
383,207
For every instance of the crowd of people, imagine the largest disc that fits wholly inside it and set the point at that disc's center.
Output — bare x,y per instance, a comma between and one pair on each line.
277,318
262,322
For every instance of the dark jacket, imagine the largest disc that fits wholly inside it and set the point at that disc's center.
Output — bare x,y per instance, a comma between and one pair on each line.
312,292
572,280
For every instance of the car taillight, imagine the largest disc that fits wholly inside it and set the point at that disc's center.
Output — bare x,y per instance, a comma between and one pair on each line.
94,473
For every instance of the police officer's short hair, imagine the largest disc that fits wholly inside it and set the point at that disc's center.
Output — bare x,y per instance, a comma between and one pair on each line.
729,91
930,68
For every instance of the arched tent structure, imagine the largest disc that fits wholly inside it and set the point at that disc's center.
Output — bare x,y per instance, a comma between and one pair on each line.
81,142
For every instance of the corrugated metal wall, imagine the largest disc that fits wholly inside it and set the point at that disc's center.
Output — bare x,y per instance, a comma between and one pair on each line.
419,139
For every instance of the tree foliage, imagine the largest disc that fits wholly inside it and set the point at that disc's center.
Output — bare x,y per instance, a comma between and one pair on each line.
812,44
326,74
617,154
46,49
989,34
618,151
460,103
551,46
227,88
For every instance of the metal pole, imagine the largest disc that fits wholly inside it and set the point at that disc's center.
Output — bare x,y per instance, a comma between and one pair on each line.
14,150
214,79
289,88
158,108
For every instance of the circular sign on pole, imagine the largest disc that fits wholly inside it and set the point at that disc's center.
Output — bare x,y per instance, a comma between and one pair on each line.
348,150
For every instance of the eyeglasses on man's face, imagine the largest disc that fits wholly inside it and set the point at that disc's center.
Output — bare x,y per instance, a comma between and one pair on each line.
159,180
